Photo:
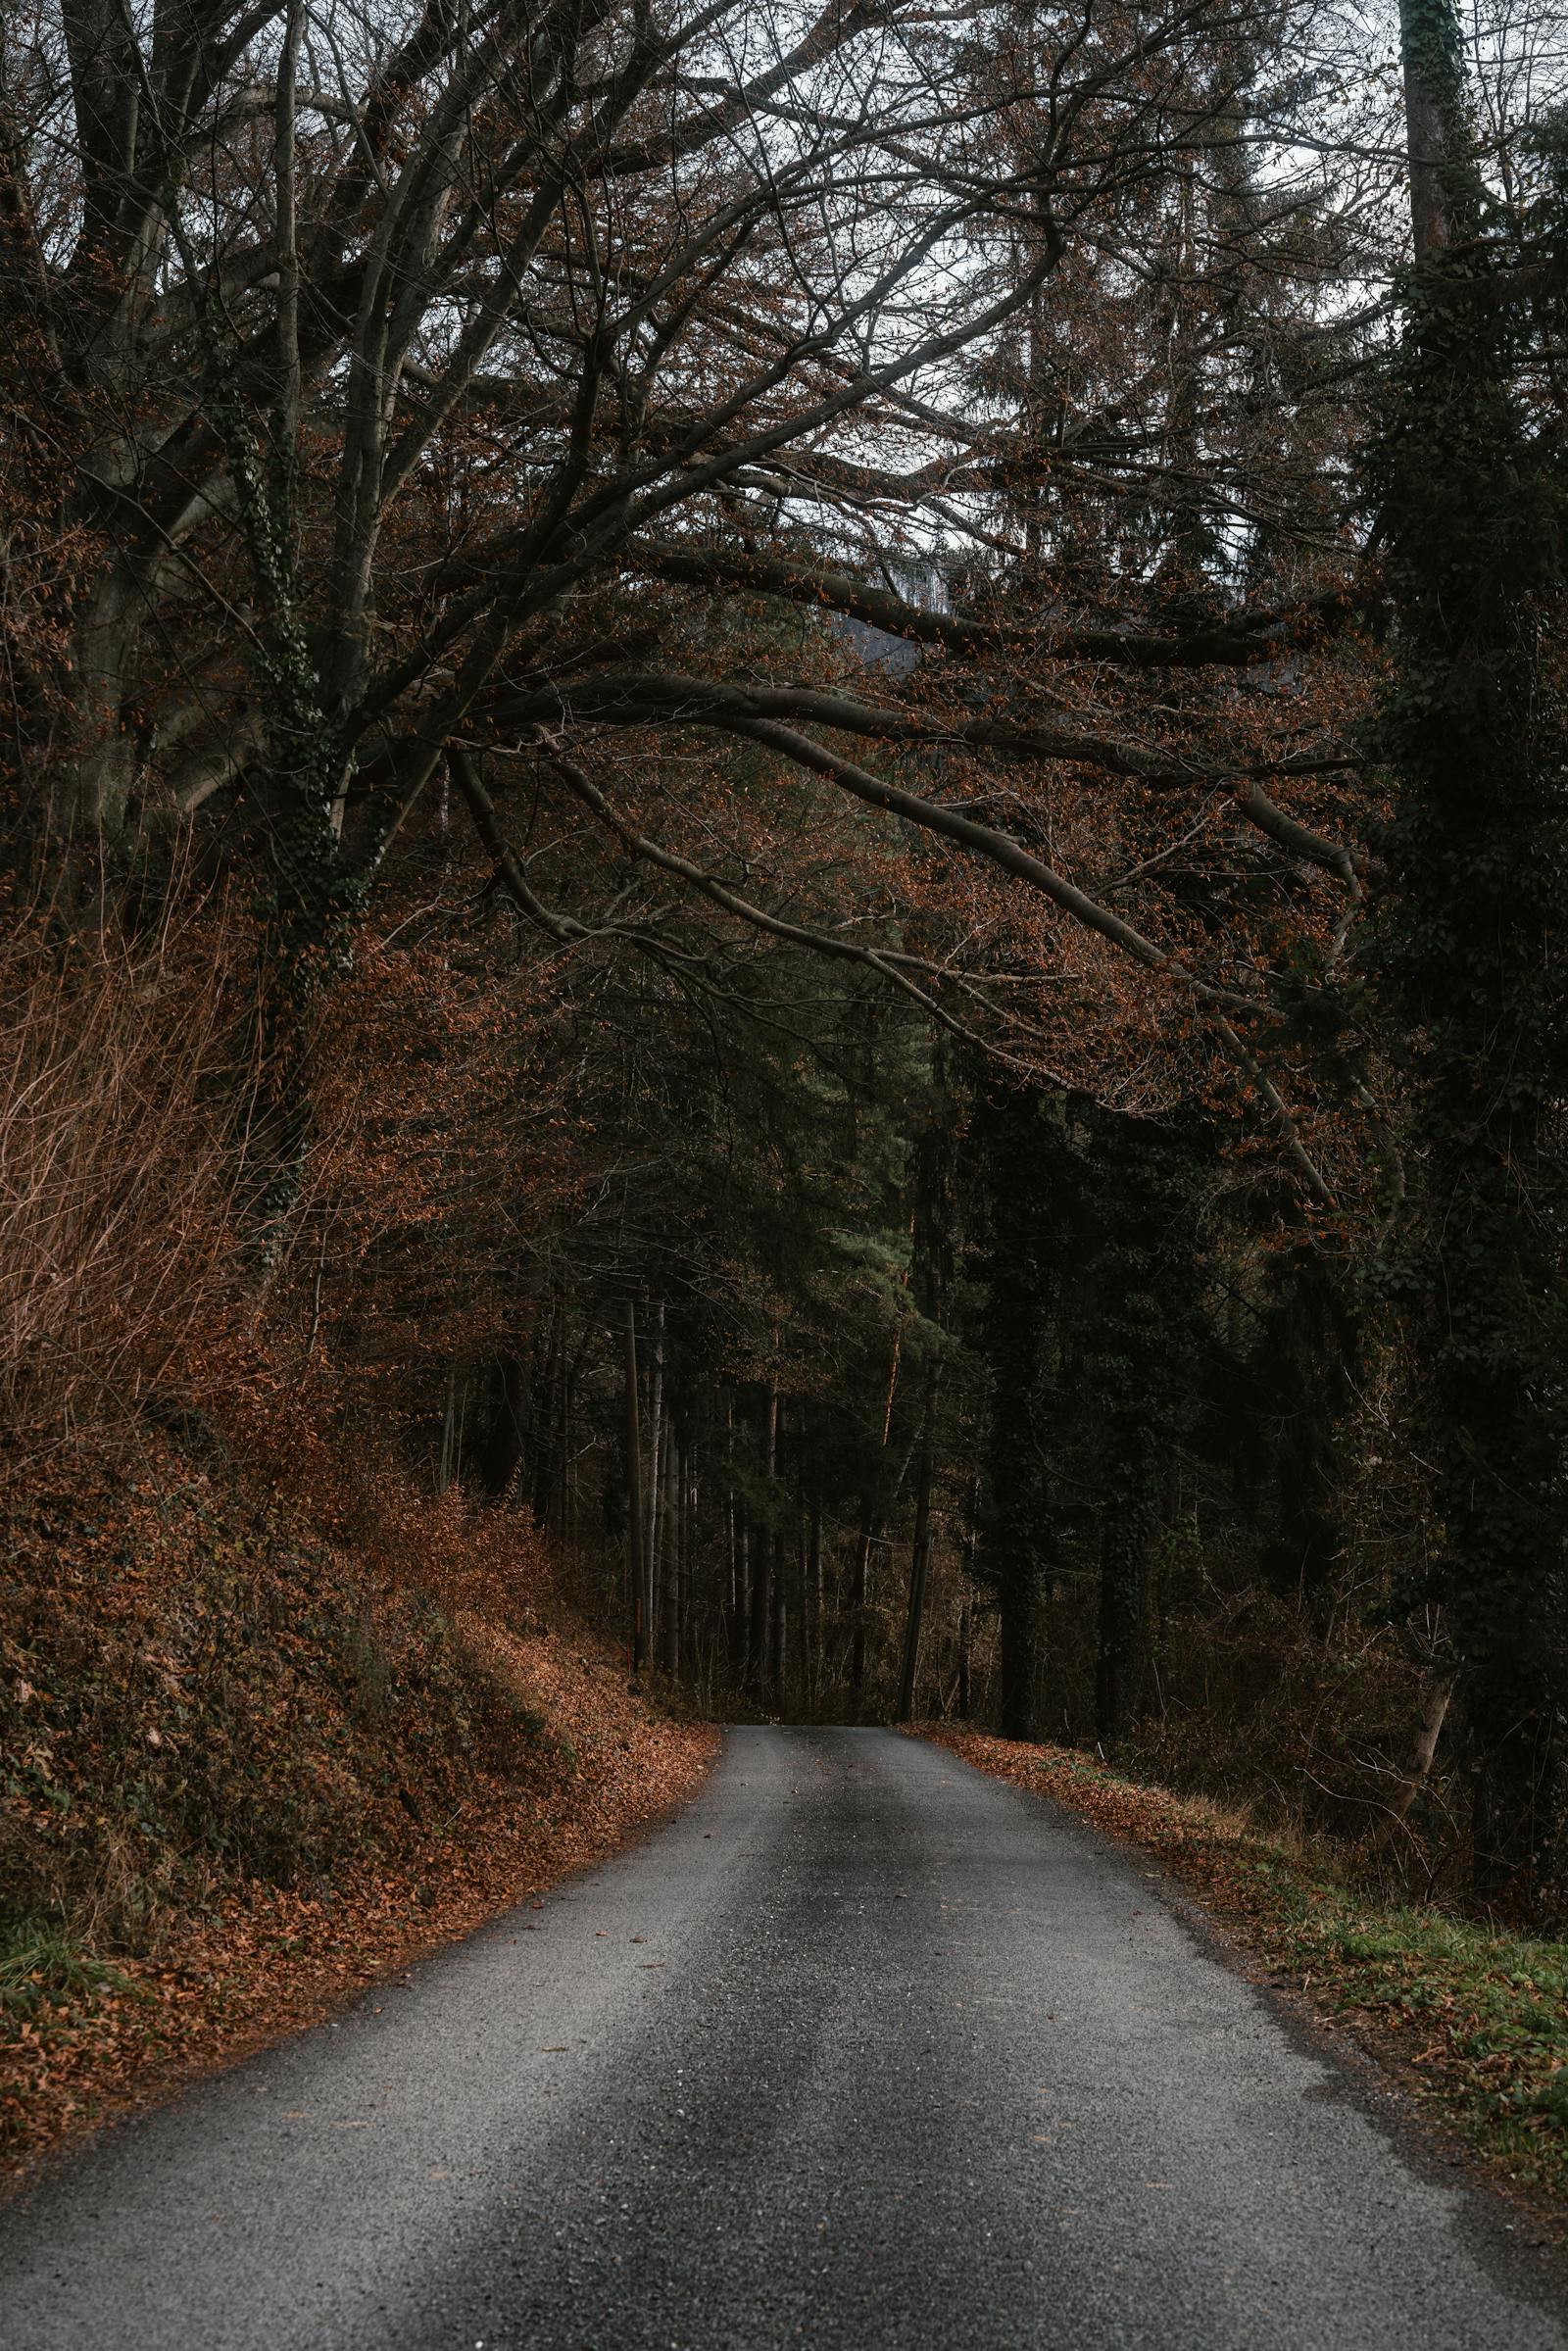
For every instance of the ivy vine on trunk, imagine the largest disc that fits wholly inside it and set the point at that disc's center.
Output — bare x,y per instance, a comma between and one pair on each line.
1472,935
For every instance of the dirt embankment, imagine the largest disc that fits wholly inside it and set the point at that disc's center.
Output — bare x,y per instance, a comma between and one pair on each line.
247,1767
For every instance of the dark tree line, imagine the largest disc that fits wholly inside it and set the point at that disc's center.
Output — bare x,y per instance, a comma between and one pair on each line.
846,733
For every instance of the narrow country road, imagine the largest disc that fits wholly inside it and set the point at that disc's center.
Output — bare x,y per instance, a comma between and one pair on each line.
865,2050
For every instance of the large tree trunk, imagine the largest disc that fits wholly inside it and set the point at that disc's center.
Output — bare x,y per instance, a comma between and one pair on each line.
770,1658
778,1641
1419,1768
92,788
657,1440
1016,1327
860,1607
1473,916
543,1415
669,1561
1433,119
449,1461
920,1554
762,1613
636,1574
1021,1627
504,1442
740,1661
1125,1544
814,1610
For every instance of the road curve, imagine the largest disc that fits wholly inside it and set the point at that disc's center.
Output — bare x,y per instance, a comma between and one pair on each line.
862,2051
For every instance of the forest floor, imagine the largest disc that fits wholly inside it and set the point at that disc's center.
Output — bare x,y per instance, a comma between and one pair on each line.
1471,2019
252,1765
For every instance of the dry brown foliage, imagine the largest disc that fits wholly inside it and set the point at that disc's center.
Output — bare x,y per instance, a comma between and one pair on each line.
124,1087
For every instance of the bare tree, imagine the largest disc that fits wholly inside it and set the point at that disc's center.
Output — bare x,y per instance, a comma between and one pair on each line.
384,343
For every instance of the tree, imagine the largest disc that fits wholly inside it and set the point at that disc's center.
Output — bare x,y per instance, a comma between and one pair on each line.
1019,1332
1471,928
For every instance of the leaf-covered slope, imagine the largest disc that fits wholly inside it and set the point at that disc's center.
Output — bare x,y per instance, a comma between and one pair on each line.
246,1769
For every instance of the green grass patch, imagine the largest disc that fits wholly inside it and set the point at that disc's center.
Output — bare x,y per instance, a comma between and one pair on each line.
42,1968
1484,2013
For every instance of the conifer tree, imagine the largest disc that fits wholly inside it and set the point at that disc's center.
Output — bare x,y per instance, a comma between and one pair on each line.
1473,951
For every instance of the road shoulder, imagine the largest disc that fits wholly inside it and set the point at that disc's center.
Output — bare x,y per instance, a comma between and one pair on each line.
1456,2035
275,1961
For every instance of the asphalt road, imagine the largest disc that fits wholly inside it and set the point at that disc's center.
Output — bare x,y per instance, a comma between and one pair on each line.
863,2050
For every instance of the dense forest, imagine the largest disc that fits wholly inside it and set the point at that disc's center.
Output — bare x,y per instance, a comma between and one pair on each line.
785,798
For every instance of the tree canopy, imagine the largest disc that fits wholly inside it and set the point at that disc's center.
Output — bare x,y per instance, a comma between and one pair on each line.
792,782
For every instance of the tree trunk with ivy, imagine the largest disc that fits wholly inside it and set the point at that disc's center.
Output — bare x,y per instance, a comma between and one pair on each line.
1473,931
1012,1136
1140,1268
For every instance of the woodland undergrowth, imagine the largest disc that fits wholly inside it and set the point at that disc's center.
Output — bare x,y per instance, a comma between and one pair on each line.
273,1716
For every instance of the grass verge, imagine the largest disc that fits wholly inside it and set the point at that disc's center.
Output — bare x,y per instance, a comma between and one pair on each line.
1473,2019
